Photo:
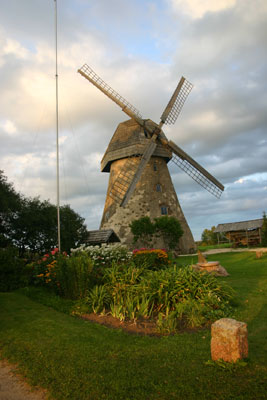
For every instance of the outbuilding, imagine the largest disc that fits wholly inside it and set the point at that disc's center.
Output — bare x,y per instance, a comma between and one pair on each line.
101,236
246,233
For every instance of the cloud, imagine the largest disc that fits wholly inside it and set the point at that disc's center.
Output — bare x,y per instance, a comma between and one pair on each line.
140,50
197,8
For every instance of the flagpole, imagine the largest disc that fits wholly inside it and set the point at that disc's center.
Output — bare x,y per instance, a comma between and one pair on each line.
57,137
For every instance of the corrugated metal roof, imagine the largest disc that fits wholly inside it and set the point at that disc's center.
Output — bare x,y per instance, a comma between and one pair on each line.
102,236
239,226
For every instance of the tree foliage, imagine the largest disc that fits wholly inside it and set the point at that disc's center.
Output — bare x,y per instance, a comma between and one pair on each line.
169,228
10,202
142,229
264,230
209,236
31,224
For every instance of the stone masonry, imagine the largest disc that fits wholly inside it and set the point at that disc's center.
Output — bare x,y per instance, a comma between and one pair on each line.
154,194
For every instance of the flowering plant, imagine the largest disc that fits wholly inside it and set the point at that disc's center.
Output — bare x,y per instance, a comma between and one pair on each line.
44,269
153,259
106,254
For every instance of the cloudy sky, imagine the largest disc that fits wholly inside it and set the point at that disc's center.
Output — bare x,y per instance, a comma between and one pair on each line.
141,48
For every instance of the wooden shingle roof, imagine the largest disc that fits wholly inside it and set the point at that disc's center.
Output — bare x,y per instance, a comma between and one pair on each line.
102,236
239,226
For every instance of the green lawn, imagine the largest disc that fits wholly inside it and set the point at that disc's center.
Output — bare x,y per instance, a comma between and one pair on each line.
75,359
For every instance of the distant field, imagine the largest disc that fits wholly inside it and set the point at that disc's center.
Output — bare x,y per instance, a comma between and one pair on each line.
76,359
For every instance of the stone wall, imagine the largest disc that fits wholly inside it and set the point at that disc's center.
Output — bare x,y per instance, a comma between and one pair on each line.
153,191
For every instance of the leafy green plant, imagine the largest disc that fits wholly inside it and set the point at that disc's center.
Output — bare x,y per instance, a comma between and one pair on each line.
98,298
74,276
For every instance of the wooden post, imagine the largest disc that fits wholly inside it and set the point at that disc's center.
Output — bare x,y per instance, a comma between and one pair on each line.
247,237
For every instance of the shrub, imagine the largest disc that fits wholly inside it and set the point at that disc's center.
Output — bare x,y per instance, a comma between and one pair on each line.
70,277
14,273
152,259
142,229
169,228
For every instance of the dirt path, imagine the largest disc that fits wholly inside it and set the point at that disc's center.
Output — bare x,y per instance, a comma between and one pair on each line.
14,387
228,250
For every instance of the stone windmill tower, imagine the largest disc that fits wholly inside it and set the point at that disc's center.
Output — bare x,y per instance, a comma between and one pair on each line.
136,158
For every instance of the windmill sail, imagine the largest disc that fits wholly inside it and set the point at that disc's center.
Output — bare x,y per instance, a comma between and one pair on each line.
196,171
149,150
127,107
175,105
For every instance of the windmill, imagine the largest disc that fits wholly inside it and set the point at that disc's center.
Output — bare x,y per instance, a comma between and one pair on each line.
137,157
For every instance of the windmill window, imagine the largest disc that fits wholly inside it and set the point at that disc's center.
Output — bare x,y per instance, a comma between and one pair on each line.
158,187
155,166
164,210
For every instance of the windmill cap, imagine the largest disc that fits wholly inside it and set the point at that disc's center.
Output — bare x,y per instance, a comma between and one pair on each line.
130,140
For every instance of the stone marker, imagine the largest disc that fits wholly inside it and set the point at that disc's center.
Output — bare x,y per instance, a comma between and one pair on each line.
229,340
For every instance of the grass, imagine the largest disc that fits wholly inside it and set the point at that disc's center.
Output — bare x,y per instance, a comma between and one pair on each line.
215,246
75,359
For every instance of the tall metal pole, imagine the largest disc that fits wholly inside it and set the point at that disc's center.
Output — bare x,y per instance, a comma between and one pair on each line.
58,199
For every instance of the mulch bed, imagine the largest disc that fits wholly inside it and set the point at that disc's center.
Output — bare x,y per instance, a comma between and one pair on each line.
140,327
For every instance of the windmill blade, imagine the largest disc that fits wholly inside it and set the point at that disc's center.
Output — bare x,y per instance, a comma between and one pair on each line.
128,108
149,150
175,105
195,171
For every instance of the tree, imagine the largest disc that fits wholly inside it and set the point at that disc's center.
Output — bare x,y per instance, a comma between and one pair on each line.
73,229
31,224
264,230
209,236
10,202
34,227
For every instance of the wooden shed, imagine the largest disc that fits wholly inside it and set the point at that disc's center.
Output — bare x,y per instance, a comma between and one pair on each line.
101,236
246,233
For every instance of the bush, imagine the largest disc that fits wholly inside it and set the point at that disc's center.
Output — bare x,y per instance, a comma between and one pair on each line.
14,273
169,228
152,259
70,277
105,255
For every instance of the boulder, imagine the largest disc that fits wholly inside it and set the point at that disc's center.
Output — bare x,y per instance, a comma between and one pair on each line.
229,340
